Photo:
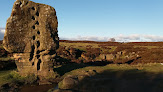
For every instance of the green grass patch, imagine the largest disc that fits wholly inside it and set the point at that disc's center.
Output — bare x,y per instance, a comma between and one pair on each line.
154,68
77,45
4,76
149,47
112,48
11,76
6,58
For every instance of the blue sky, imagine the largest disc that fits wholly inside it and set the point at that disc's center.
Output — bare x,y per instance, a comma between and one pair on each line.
103,19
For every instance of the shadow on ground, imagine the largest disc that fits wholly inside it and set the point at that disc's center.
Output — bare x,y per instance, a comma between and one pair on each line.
123,81
72,66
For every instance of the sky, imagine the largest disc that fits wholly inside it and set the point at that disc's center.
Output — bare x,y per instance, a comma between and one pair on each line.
100,20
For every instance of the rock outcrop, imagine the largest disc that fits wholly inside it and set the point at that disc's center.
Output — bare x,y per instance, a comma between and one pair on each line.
32,35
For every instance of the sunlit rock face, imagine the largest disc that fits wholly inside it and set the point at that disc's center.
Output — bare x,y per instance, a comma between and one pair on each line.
32,35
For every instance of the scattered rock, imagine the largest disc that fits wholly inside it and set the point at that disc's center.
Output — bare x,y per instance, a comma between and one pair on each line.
109,57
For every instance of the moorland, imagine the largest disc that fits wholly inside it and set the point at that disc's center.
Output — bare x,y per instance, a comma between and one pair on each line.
88,66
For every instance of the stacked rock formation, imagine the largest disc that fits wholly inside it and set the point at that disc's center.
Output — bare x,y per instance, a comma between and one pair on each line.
32,35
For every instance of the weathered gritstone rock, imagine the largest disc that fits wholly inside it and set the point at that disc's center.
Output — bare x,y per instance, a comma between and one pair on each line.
32,35
69,82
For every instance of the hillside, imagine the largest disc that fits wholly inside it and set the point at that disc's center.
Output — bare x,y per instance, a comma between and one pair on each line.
113,52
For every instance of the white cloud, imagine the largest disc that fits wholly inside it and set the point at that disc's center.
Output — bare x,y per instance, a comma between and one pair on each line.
89,38
120,38
128,38
2,31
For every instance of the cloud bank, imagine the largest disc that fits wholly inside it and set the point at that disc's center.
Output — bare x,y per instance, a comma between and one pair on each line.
120,38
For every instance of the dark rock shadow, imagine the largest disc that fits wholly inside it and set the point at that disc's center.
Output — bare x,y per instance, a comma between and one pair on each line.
7,65
98,63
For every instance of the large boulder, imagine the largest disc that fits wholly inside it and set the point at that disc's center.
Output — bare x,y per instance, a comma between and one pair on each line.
32,35
69,82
